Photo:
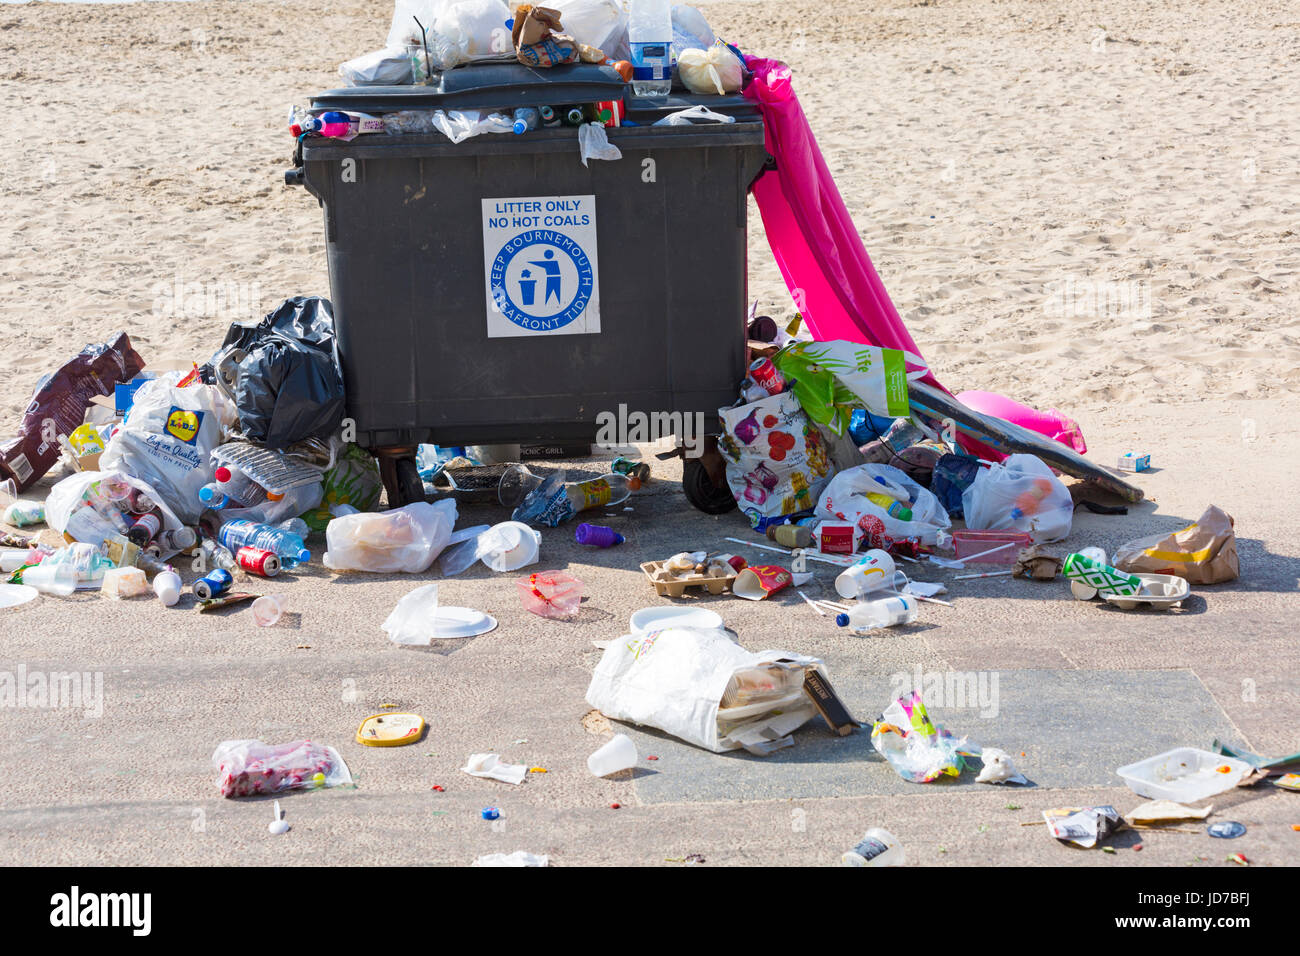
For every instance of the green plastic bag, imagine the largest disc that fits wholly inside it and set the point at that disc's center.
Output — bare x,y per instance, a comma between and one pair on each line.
833,378
354,480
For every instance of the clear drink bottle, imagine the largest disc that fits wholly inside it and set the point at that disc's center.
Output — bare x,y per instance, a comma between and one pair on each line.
650,36
288,547
882,612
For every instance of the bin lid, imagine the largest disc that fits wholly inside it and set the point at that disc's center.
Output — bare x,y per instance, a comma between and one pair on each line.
646,110
491,86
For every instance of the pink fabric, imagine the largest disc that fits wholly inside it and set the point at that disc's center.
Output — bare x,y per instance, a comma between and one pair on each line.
816,245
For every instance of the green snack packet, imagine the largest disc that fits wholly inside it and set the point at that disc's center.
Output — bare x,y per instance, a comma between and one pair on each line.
354,480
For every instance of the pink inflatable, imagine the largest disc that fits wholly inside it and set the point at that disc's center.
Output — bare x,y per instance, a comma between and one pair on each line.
1050,423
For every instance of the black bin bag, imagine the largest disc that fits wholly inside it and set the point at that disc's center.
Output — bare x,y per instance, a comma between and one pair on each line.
283,373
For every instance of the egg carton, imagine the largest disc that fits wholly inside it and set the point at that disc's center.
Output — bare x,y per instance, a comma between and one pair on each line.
668,584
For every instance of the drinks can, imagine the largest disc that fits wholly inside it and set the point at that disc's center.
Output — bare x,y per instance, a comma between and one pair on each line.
258,561
765,376
212,584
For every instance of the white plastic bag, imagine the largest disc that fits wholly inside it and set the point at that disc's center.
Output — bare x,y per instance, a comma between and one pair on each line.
415,618
404,31
387,67
1022,494
693,115
675,680
715,70
598,23
594,144
405,539
167,439
469,30
458,125
845,499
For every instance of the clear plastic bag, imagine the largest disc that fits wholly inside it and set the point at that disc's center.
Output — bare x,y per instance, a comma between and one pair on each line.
405,539
460,125
387,67
694,115
598,23
1020,493
469,30
247,768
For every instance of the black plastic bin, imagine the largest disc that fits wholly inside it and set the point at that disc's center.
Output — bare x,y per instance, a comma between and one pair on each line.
416,227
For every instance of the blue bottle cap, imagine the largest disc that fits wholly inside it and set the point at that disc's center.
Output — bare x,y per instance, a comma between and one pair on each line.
842,620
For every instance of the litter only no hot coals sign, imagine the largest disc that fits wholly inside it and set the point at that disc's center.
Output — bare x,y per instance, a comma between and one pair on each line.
539,255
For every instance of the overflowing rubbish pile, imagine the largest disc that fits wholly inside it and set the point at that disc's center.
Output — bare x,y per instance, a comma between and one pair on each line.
216,478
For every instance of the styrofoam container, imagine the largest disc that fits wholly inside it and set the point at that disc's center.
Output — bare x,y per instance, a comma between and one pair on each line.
1184,775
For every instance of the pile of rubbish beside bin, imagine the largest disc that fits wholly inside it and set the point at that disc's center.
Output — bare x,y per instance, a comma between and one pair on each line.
215,478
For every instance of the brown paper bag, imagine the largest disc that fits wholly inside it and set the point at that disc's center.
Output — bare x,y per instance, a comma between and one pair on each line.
537,39
1202,553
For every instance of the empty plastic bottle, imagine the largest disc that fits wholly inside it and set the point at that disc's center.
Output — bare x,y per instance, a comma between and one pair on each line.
882,612
236,483
105,509
213,497
878,847
650,36
597,536
288,546
217,556
526,118
549,500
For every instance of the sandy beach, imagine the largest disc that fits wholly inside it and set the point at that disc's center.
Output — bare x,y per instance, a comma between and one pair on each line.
1091,206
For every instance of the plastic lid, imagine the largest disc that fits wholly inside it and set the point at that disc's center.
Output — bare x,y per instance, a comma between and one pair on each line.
222,474
206,493
842,620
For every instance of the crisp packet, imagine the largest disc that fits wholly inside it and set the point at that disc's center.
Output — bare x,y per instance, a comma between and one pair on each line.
1288,781
1083,826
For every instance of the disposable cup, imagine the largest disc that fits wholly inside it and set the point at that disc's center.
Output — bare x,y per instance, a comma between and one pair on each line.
618,754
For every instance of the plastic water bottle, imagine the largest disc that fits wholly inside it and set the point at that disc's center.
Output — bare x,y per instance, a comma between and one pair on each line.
650,35
526,118
882,612
878,847
239,486
216,556
337,124
288,547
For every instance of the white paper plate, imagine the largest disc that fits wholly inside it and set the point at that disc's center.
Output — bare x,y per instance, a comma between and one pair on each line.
657,618
454,622
13,595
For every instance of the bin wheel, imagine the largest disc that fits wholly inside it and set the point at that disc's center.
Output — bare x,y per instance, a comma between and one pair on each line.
702,492
409,486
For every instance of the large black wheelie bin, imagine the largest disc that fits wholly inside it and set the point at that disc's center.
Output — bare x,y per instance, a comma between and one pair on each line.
497,290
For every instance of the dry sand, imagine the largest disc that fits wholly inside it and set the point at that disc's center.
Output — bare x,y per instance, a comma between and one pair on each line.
993,155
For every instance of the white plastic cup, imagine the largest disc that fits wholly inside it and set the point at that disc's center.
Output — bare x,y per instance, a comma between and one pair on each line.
268,609
874,571
617,754
167,585
509,546
49,578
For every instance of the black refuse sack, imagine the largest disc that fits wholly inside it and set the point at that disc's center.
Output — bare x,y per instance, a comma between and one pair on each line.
288,387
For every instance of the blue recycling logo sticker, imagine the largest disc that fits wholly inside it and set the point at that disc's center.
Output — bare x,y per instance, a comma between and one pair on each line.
542,280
